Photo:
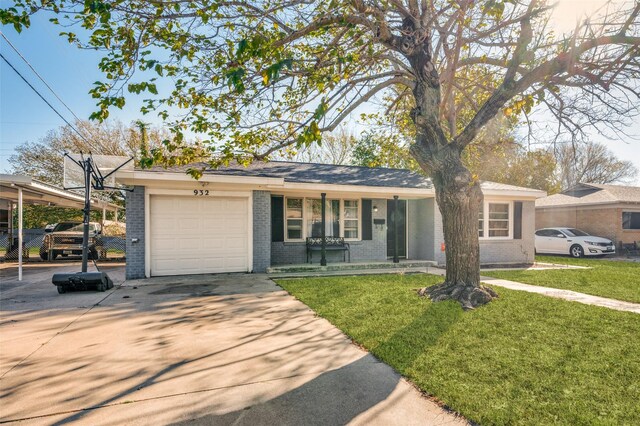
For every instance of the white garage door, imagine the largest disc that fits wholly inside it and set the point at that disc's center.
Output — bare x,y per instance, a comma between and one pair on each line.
198,235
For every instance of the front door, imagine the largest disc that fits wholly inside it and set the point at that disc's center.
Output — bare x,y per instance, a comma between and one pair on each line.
401,220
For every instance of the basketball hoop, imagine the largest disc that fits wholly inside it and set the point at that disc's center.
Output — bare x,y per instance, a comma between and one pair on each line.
89,172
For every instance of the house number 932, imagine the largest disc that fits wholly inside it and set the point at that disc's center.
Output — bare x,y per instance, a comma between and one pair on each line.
200,192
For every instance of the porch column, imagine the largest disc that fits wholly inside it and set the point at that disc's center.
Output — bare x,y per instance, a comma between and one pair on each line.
395,229
104,215
20,237
323,233
115,214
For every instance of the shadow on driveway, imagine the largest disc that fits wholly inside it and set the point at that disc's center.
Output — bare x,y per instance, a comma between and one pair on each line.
213,348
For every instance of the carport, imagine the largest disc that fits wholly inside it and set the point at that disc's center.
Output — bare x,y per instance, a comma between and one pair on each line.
21,189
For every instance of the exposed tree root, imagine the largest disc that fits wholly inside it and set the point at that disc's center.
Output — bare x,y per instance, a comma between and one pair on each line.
469,296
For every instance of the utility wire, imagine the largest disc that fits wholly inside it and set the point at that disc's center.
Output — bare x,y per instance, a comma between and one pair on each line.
39,76
45,101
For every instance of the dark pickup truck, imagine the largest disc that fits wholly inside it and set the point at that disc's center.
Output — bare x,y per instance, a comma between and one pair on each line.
65,239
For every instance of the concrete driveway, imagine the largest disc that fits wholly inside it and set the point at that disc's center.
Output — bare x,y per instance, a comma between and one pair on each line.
210,349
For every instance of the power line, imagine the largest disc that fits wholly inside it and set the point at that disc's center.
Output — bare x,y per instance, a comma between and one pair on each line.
39,76
45,101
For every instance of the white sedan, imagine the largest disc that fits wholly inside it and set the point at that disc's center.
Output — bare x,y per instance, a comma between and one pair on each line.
573,242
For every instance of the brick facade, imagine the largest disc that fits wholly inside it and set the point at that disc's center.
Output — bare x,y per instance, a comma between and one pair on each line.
497,251
425,236
135,230
290,253
261,230
601,221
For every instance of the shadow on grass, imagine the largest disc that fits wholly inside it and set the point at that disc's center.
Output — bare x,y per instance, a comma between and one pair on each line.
410,342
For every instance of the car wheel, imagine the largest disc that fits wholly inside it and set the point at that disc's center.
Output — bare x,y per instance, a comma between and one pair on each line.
93,254
44,255
576,251
61,289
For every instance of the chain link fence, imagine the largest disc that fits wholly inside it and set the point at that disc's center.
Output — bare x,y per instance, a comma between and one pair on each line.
39,245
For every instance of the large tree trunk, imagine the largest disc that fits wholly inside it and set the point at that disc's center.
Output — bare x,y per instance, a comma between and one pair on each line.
458,194
459,198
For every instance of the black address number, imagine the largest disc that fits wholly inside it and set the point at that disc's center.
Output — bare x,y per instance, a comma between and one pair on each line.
200,192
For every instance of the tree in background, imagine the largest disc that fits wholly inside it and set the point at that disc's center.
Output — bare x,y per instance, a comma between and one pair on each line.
379,149
257,77
335,148
591,162
43,159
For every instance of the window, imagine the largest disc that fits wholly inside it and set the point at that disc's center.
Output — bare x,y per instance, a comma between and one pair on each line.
630,220
498,219
495,220
575,233
548,233
351,218
303,218
314,218
294,218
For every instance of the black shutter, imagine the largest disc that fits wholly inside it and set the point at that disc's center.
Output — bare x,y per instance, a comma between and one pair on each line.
277,219
517,220
367,221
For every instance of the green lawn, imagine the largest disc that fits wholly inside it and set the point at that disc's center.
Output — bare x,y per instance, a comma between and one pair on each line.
606,278
522,359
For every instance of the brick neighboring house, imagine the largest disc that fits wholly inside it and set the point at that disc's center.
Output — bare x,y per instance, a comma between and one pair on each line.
610,211
243,219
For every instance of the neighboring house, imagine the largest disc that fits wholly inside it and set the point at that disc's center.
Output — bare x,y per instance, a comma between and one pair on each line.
243,219
611,211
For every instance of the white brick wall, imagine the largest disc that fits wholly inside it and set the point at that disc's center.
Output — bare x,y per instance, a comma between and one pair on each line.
497,251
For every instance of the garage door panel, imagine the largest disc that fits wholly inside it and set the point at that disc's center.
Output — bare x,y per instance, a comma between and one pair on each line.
191,235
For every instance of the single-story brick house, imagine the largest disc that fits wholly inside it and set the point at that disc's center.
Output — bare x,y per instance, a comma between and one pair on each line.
245,219
610,211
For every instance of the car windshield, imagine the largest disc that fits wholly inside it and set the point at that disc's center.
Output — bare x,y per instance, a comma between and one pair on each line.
575,233
72,227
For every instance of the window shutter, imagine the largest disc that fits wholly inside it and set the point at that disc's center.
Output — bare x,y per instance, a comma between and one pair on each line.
277,219
517,220
367,220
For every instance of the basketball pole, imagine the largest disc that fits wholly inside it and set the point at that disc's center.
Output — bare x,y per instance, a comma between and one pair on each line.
87,166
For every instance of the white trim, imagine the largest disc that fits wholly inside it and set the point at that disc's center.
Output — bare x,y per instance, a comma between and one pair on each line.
592,206
485,221
186,193
381,191
20,234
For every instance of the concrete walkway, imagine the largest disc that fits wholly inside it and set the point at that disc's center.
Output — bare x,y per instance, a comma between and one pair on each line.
572,296
210,349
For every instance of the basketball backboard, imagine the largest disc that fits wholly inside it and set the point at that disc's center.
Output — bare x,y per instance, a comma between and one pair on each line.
73,176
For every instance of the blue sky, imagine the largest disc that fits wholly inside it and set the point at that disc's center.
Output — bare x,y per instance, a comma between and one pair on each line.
71,72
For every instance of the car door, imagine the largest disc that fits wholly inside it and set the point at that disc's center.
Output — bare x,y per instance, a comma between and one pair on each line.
558,242
544,241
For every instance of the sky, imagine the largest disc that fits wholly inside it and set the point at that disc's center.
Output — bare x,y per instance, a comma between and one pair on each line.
71,72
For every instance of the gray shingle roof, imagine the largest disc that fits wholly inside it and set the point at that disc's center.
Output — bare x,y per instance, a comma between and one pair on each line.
316,173
592,193
330,174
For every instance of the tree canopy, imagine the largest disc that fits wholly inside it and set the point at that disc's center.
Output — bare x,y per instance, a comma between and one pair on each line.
257,76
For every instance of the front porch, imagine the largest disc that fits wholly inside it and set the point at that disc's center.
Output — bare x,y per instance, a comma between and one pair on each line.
366,228
353,268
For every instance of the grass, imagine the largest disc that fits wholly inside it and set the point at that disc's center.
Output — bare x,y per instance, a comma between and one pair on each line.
523,359
614,279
